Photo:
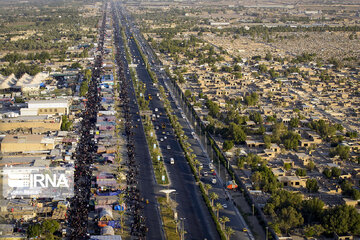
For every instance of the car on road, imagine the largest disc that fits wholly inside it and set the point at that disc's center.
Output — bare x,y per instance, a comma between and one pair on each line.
224,206
213,180
165,137
211,166
158,116
156,109
168,147
205,174
244,230
157,127
161,139
172,161
167,133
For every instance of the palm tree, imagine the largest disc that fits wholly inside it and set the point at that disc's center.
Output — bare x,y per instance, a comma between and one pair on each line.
196,162
121,201
199,169
218,207
207,188
229,231
224,220
213,196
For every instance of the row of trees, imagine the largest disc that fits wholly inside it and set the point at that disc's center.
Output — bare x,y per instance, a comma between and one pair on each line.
289,211
20,69
44,230
15,57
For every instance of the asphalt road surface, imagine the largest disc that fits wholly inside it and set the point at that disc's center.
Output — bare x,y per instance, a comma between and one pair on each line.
198,223
146,178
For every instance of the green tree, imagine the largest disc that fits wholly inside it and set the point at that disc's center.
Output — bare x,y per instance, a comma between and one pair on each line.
294,122
218,206
335,172
256,117
287,166
223,220
251,99
291,140
187,93
213,107
273,73
312,209
84,87
289,218
341,219
237,133
312,185
207,187
65,124
34,230
352,134
301,172
262,68
327,172
342,151
310,166
213,196
267,141
313,230
50,226
229,231
228,145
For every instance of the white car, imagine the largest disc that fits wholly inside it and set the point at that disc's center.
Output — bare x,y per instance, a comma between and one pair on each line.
168,147
165,137
213,180
161,139
156,109
211,166
224,206
157,127
172,161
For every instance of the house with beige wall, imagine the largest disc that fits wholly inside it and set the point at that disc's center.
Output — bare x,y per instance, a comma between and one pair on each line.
26,143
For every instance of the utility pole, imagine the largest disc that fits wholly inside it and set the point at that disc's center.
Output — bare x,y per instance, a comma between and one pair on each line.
182,233
267,228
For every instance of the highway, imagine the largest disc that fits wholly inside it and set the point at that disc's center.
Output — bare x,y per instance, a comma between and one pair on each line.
146,177
198,223
237,222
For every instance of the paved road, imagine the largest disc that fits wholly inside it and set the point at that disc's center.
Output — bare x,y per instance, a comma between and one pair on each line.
198,223
146,178
236,220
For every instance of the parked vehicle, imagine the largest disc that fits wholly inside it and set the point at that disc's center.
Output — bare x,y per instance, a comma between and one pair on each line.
172,161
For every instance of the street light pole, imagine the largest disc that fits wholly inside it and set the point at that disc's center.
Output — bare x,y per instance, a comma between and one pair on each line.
182,230
266,232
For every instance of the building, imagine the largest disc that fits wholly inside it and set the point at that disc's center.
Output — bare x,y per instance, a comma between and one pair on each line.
41,123
292,181
26,143
46,107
